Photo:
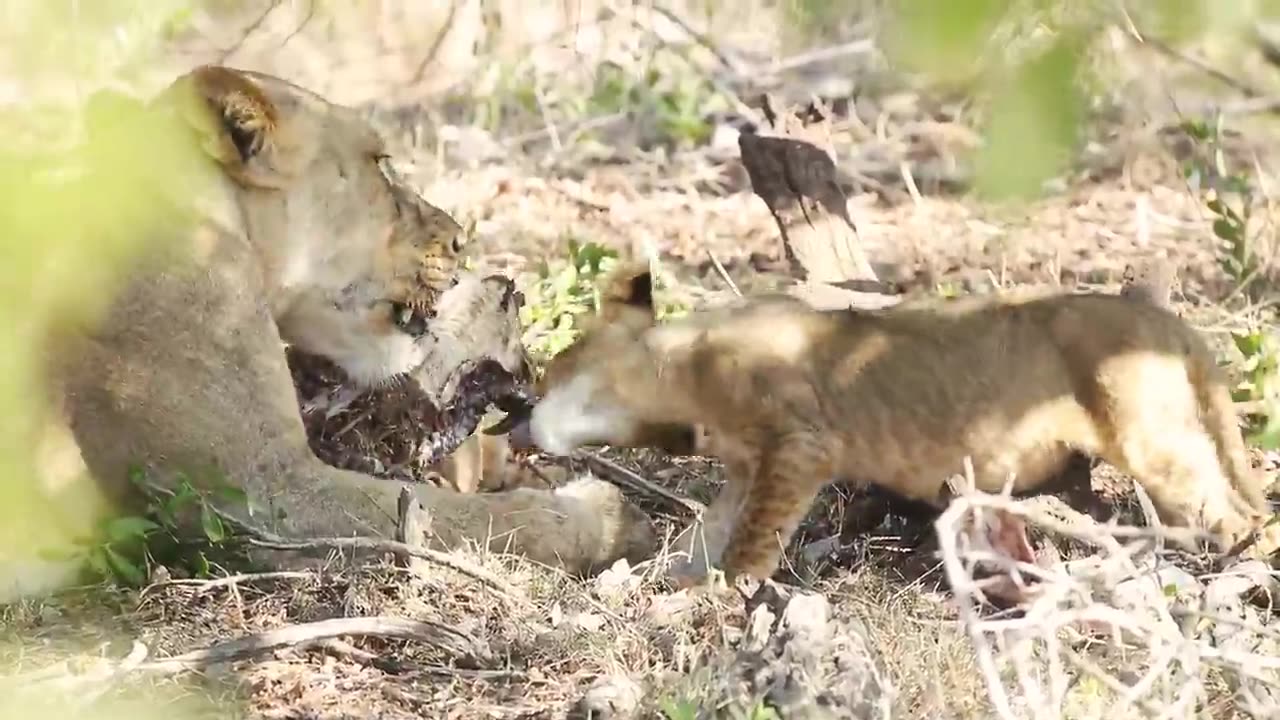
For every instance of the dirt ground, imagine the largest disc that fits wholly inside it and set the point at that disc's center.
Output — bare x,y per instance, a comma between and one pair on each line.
525,192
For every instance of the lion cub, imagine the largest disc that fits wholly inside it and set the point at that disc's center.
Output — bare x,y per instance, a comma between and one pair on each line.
795,397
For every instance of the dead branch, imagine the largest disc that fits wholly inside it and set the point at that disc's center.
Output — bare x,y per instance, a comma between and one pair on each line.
1125,597
204,585
271,541
621,475
438,635
836,296
275,542
421,70
245,34
701,38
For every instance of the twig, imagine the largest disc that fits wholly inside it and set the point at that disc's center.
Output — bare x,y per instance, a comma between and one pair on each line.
724,274
306,20
572,130
1202,66
723,88
251,29
206,584
605,466
437,635
276,542
853,47
701,38
271,541
420,72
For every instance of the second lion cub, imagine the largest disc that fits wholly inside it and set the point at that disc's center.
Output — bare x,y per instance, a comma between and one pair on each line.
795,397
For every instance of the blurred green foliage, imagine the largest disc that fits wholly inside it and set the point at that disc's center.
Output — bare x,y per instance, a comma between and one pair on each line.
564,289
1029,60
73,217
75,211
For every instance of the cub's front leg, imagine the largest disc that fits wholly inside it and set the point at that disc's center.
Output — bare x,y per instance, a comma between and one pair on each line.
794,467
701,545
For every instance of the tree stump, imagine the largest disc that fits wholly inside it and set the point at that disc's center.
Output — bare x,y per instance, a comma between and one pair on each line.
791,168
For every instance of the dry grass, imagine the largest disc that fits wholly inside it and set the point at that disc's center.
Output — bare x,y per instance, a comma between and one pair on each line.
526,140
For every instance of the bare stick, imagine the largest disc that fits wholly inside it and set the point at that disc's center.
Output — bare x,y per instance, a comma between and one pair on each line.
616,472
276,542
701,38
437,635
250,30
724,274
206,584
271,541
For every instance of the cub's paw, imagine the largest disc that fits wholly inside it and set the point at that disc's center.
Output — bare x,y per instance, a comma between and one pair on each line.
709,583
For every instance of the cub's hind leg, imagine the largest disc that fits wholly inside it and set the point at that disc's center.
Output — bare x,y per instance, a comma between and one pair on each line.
793,469
1153,417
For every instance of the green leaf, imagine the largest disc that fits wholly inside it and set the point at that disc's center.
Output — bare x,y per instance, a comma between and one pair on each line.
201,565
1249,344
137,476
1197,129
232,494
129,528
679,709
1225,229
98,562
1268,438
1034,123
212,525
124,568
942,39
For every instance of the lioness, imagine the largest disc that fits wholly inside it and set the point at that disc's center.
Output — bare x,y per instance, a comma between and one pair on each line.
794,397
286,225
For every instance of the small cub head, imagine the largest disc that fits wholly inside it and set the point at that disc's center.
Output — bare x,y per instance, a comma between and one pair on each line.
586,389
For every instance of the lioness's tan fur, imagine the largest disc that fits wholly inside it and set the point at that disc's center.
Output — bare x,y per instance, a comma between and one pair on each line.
793,398
291,228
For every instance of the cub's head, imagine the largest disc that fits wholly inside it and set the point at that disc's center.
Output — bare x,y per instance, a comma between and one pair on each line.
590,393
355,260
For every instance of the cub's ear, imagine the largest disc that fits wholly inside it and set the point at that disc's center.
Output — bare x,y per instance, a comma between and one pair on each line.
627,296
630,284
239,126
640,293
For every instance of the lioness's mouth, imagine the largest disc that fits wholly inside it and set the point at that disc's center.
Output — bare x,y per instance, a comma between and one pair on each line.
409,320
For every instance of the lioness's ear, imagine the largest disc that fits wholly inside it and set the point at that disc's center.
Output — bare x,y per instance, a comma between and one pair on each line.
240,125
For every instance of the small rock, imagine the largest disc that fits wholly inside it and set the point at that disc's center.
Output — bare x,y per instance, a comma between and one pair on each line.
670,609
1156,588
617,582
591,622
820,550
612,697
